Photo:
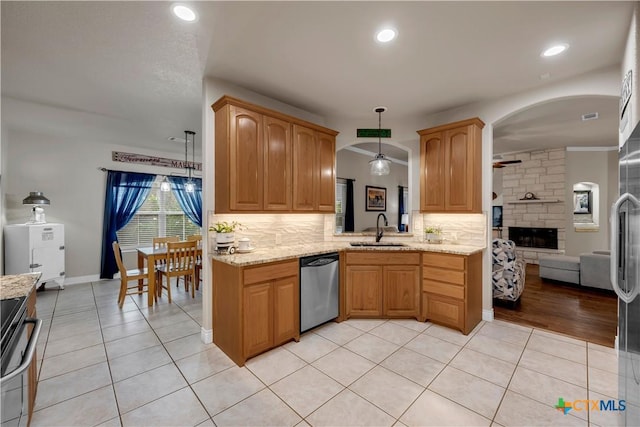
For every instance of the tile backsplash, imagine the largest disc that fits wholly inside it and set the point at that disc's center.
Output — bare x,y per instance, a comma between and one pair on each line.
270,230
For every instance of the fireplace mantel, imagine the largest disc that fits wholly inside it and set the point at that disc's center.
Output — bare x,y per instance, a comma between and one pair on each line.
518,202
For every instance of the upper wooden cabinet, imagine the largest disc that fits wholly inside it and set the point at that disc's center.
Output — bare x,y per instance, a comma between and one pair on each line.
313,170
268,161
451,167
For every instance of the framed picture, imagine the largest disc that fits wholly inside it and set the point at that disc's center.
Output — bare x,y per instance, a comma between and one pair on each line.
376,198
582,202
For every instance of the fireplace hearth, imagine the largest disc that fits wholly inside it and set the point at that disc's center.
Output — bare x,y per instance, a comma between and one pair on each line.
534,237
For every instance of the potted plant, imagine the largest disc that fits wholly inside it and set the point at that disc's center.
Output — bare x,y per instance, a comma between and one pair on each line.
433,234
225,232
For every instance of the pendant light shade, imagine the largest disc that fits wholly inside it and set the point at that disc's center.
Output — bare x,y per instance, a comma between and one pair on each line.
165,185
35,198
380,165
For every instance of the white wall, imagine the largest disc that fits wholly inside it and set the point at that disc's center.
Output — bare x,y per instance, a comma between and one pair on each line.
356,166
66,170
595,167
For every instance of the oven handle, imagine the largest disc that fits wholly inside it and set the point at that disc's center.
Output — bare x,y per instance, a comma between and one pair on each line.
31,349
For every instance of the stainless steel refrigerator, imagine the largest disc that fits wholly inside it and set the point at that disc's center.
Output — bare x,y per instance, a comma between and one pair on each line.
625,275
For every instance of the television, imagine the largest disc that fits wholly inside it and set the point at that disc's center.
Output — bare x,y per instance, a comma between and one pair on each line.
497,216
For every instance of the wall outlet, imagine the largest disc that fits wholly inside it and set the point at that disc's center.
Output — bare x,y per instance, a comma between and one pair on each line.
278,238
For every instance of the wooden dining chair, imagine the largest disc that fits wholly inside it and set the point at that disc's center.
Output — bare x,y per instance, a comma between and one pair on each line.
179,262
161,243
198,266
127,276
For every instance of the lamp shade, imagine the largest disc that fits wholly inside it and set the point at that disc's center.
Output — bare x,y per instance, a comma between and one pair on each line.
35,198
380,165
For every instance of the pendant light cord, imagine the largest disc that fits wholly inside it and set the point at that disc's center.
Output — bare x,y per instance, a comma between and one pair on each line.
379,133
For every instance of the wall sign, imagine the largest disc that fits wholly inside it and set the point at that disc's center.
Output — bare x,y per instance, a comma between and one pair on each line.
373,133
119,156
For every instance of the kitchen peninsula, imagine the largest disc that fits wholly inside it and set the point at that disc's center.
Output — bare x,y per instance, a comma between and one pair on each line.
256,295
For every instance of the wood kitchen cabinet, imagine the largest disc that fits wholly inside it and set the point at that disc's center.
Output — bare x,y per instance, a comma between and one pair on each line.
255,308
451,167
313,170
266,161
452,289
382,284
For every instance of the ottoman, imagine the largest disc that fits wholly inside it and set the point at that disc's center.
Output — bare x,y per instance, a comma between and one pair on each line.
560,267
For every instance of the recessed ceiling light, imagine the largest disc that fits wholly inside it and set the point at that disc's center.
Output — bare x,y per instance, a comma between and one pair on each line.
555,50
183,12
386,35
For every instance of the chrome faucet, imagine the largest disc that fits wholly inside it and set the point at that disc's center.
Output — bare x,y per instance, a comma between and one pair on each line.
380,231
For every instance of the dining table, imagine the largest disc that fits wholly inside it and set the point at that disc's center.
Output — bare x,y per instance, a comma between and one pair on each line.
150,255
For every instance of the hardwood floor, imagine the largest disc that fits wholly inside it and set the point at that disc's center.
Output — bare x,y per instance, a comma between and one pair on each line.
585,313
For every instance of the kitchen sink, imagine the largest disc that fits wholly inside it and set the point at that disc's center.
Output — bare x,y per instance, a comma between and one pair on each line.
376,244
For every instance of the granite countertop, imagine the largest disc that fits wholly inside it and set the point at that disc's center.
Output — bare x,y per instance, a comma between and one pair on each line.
281,253
17,285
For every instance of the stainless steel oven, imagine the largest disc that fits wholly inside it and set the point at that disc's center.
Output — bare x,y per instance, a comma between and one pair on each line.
18,349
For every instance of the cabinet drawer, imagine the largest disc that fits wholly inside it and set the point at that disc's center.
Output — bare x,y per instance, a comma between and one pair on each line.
443,310
380,258
454,262
446,289
269,272
449,276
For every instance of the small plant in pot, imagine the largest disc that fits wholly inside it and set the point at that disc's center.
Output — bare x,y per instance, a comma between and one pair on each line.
225,232
433,234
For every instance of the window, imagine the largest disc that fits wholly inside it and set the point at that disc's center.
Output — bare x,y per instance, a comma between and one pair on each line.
341,204
159,216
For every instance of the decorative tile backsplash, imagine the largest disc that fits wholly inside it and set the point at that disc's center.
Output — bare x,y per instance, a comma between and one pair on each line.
271,230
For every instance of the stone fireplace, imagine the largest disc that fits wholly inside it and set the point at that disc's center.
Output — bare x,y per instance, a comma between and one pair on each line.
534,237
541,173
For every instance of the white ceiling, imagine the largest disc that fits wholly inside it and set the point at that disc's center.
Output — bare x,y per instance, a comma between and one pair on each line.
131,73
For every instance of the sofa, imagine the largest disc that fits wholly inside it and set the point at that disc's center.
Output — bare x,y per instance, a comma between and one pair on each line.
595,268
589,269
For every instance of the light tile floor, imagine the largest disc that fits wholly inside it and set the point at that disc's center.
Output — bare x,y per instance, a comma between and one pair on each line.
141,366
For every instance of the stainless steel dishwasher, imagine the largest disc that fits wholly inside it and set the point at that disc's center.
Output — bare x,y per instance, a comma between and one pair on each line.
319,276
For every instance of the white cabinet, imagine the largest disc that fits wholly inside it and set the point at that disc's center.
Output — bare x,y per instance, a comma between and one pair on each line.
31,248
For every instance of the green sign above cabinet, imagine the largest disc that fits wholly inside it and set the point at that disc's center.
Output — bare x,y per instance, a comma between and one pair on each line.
373,133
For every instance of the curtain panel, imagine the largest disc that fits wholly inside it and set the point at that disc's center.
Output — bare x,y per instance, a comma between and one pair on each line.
125,194
190,203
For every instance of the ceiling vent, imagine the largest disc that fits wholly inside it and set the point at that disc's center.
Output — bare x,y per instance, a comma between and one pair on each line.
589,116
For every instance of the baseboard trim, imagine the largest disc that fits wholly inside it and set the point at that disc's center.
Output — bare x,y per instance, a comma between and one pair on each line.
206,335
487,315
82,279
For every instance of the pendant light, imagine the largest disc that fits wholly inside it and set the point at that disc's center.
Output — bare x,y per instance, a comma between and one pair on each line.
165,185
380,165
190,186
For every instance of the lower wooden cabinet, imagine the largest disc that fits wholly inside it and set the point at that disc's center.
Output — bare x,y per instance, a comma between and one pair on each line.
452,290
382,284
255,308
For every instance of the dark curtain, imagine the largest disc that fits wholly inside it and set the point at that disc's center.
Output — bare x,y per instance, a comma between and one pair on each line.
400,207
348,214
125,193
190,203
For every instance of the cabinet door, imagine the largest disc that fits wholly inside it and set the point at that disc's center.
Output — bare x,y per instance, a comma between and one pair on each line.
277,164
304,168
286,309
364,290
432,186
245,160
401,294
444,310
459,170
257,318
326,174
